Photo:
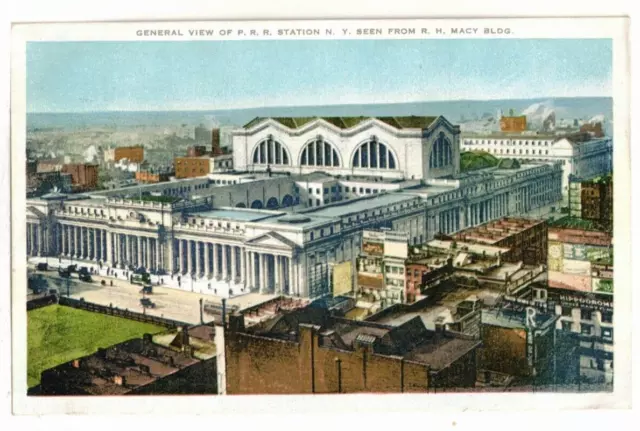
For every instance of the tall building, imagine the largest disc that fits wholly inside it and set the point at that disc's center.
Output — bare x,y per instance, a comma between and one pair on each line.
580,288
592,200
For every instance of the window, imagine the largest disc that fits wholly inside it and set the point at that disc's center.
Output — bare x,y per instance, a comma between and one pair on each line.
311,236
353,189
607,316
585,314
321,233
310,202
368,191
607,333
317,202
310,191
340,189
441,152
566,325
270,152
586,329
361,190
373,154
326,190
331,230
319,153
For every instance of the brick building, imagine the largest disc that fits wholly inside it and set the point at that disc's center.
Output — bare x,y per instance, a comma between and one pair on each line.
310,351
592,200
151,177
526,239
197,151
191,167
182,362
513,124
84,176
134,154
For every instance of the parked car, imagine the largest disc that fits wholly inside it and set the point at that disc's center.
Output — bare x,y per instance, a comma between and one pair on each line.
64,273
147,303
43,266
147,289
72,268
85,277
83,270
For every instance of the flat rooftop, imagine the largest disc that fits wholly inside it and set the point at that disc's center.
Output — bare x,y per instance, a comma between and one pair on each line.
497,230
359,205
235,214
514,319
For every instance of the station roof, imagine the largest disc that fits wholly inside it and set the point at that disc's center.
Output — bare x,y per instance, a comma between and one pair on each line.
235,214
405,122
359,205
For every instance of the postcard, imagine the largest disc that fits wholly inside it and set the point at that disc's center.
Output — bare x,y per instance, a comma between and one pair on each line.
412,212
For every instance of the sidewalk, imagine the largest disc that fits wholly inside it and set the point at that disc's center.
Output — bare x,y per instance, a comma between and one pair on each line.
218,288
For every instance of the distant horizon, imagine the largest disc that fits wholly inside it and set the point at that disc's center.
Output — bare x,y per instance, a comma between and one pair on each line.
140,76
321,105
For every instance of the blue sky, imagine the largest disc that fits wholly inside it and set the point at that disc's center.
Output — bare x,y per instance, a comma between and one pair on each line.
158,76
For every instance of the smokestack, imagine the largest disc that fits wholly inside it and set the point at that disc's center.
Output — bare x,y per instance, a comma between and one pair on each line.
215,142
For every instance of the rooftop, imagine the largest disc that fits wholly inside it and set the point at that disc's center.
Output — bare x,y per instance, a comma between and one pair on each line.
495,231
410,339
359,205
235,214
514,318
579,223
406,122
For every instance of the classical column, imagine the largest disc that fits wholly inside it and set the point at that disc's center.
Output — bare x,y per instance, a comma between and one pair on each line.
157,263
207,260
249,267
181,255
215,260
76,246
147,257
242,266
263,272
127,250
189,258
276,272
139,250
94,250
234,271
224,262
198,256
290,269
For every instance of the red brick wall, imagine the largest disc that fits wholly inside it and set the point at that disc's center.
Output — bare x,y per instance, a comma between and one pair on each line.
133,154
82,175
257,365
504,350
190,167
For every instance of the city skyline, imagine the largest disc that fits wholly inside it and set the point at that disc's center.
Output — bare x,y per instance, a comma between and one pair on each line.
152,76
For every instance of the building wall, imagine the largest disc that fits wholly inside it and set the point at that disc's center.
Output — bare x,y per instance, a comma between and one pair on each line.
133,154
513,124
504,350
197,379
190,167
409,146
83,176
257,365
151,177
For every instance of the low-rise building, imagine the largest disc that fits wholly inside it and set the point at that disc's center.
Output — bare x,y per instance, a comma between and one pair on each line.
191,167
592,200
134,154
173,363
152,176
525,239
310,351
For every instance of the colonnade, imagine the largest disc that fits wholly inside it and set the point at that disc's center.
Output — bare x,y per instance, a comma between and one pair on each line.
35,240
232,263
82,242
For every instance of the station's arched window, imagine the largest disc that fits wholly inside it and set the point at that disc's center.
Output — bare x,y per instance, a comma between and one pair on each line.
374,154
441,152
319,152
270,152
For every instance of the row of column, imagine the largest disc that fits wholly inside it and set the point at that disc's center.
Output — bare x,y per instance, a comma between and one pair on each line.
35,239
449,221
234,264
137,251
81,242
485,211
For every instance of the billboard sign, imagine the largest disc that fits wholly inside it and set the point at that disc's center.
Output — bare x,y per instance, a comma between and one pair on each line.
602,285
576,267
555,256
599,253
372,247
574,251
342,278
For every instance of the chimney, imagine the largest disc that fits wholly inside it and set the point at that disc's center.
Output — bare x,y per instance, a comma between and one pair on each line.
215,142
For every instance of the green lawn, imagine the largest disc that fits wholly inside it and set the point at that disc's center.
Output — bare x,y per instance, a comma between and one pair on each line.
57,334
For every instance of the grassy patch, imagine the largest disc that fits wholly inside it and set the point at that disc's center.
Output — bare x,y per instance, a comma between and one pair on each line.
57,334
473,160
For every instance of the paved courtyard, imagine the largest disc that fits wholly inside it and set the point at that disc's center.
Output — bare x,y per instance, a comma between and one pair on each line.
171,302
